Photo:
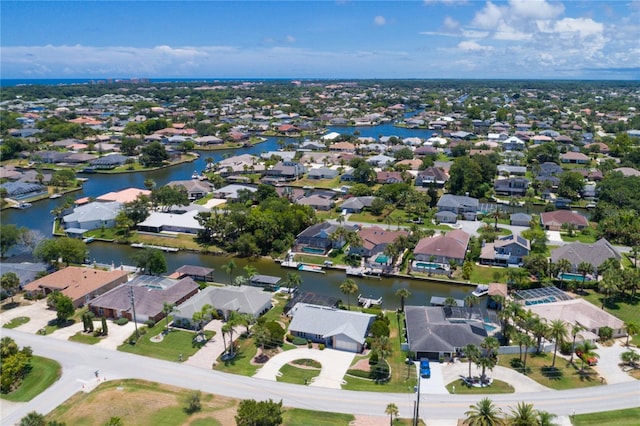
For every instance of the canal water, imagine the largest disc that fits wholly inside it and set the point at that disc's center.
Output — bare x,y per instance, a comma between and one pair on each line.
39,218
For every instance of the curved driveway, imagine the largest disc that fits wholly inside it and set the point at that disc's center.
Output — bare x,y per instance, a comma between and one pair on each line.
80,361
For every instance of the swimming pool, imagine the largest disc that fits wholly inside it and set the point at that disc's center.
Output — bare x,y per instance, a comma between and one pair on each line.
490,328
425,265
571,277
313,250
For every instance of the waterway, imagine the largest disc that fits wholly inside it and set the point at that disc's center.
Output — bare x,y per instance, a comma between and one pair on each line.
39,218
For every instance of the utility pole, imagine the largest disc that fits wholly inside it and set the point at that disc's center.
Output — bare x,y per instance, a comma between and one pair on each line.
417,419
133,308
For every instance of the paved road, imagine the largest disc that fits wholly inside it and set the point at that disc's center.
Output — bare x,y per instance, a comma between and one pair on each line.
79,362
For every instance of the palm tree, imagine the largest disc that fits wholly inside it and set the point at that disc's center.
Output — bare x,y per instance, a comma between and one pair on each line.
584,268
149,184
349,287
229,268
523,415
575,330
609,285
496,215
392,410
519,339
539,329
471,300
586,350
472,353
484,413
403,294
293,281
168,308
450,301
527,341
545,418
632,329
558,330
250,271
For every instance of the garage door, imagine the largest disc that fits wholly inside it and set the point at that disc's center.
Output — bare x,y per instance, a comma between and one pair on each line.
344,344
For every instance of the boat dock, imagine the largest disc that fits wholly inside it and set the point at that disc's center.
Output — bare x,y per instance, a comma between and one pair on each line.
311,268
163,248
364,272
289,264
368,302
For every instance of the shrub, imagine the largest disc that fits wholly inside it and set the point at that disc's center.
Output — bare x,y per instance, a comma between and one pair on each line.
373,359
193,402
121,321
379,328
380,372
97,332
605,333
149,323
358,373
289,338
309,345
321,346
276,332
298,341
565,348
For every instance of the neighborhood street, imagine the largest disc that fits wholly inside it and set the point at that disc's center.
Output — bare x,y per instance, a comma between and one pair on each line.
79,362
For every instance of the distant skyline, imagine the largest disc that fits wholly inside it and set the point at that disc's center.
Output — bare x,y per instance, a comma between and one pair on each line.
321,39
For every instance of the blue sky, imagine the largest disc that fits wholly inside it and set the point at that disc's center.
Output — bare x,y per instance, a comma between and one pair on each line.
321,39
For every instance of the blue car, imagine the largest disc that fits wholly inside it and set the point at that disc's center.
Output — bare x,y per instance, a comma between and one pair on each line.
425,370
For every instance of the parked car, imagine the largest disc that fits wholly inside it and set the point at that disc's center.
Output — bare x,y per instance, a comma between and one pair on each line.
590,361
425,369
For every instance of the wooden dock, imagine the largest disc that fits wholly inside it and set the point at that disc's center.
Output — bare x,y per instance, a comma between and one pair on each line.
368,302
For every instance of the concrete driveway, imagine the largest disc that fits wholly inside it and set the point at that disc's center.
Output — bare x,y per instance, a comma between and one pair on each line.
207,355
334,365
435,384
37,312
608,367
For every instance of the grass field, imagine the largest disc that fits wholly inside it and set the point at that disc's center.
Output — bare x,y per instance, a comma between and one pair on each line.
565,376
497,386
297,375
140,403
16,322
87,339
627,417
173,344
44,372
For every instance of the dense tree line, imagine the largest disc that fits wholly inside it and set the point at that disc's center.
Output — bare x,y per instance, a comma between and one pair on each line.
15,363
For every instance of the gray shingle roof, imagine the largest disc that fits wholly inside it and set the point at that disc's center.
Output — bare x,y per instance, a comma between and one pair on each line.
243,299
578,252
327,322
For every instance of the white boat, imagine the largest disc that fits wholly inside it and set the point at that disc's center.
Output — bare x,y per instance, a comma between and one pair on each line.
54,196
88,240
481,290
22,206
194,175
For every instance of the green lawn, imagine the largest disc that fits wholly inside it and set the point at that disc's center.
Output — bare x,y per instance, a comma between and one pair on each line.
87,339
626,308
241,363
586,236
565,376
16,322
297,375
300,417
173,344
485,274
497,386
628,417
44,372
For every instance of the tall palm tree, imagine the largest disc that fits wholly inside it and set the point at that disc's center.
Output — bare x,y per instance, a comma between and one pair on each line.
470,300
575,331
168,308
484,413
632,329
349,287
392,410
523,415
519,339
403,294
229,268
540,330
250,271
584,268
293,281
610,284
557,330
527,341
472,353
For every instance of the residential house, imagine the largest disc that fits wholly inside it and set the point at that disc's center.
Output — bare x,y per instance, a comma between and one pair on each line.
432,176
79,284
342,147
357,204
149,295
513,143
182,222
374,240
554,220
124,196
231,192
574,158
595,254
443,248
434,332
318,202
109,161
520,219
269,282
462,205
196,189
581,312
23,190
322,173
318,236
508,170
286,170
389,177
25,271
381,160
513,186
240,299
505,251
446,217
197,273
335,328
93,216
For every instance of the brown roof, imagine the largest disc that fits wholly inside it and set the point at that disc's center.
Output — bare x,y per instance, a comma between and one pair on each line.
375,235
76,282
498,289
453,245
560,217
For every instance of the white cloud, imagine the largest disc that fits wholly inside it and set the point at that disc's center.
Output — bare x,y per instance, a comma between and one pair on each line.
506,32
379,20
450,24
472,46
489,17
535,9
290,39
